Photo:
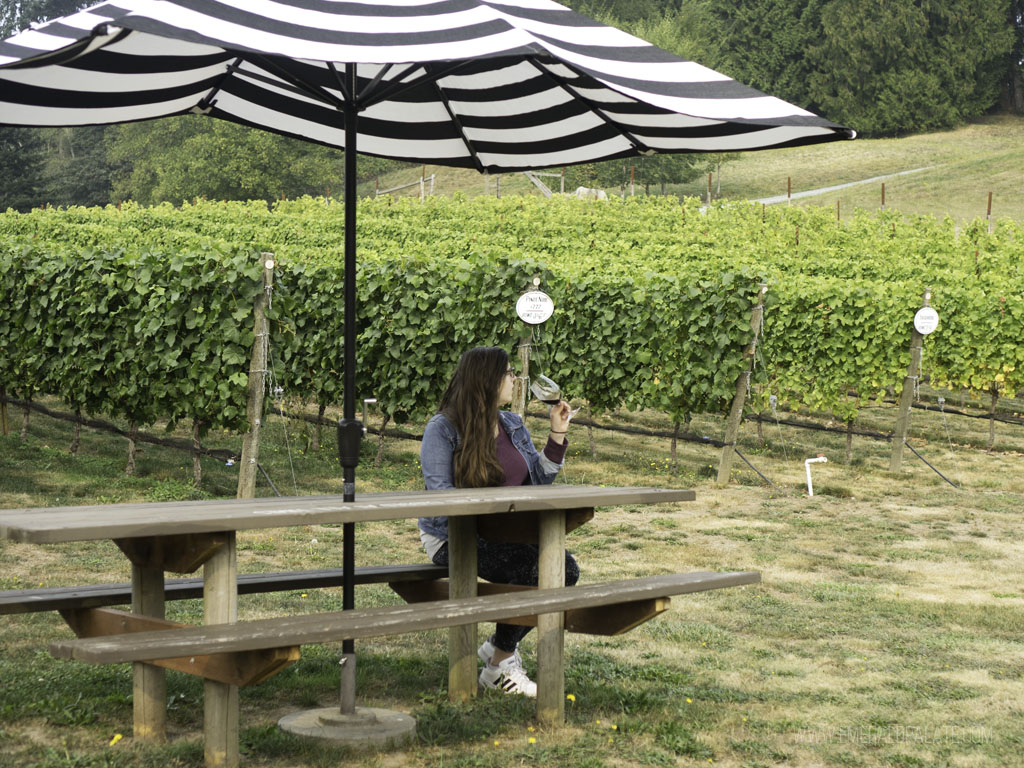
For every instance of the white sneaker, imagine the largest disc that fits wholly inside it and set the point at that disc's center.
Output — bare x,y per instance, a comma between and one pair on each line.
507,675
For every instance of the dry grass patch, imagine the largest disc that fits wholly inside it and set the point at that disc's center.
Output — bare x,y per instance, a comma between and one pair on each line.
886,631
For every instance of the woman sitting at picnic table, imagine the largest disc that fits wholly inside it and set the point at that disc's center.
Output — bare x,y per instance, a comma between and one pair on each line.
470,443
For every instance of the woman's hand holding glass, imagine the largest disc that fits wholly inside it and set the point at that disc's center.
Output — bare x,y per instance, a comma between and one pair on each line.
560,416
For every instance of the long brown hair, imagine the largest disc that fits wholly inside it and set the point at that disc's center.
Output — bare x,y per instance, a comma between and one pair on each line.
471,404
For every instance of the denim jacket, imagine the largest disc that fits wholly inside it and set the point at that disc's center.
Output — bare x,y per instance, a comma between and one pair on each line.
437,459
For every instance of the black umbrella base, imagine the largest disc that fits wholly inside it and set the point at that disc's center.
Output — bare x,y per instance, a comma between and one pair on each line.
367,727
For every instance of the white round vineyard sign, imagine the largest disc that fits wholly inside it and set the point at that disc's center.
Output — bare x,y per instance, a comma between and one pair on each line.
926,320
534,307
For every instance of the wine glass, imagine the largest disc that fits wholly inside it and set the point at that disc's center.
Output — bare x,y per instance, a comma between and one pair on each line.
547,391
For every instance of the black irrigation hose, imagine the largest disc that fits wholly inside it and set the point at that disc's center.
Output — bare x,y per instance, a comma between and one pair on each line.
331,423
220,454
142,437
582,422
773,485
1016,420
922,458
820,427
703,439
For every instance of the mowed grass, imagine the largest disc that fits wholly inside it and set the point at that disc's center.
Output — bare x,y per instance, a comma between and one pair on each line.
962,166
887,630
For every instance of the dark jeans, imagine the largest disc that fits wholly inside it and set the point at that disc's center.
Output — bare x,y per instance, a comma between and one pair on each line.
503,563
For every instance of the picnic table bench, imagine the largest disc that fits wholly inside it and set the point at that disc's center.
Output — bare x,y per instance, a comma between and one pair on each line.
181,537
102,595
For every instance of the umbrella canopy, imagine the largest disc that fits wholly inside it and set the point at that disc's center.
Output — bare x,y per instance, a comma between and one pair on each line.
498,86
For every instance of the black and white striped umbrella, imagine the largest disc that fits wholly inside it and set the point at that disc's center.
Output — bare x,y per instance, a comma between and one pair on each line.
499,86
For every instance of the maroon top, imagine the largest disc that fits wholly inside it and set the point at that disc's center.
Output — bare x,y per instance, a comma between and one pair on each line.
512,461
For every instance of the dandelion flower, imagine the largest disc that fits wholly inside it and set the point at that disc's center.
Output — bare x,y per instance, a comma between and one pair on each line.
497,743
689,701
570,697
117,738
303,594
615,727
530,728
532,740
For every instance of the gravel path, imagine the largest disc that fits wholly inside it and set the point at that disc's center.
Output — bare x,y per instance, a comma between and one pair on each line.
824,190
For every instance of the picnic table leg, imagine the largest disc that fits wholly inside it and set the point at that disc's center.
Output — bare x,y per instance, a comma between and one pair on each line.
220,700
149,683
462,564
550,648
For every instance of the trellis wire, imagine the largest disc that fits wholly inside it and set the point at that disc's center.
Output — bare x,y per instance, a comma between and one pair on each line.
276,392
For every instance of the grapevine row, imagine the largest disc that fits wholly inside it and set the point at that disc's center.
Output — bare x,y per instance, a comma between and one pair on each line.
146,313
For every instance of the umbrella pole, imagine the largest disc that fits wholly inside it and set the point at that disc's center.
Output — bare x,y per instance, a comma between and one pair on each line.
350,429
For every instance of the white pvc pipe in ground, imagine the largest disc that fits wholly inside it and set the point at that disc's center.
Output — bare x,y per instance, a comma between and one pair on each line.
807,466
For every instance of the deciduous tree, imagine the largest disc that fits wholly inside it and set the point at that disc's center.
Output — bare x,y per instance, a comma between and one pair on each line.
189,157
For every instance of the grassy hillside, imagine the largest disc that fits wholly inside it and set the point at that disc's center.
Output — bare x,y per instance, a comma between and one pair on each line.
963,166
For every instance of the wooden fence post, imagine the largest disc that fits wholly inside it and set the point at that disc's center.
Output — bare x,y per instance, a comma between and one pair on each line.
732,426
907,396
3,411
257,384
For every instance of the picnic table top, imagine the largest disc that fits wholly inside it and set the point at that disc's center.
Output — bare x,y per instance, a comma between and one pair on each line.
48,525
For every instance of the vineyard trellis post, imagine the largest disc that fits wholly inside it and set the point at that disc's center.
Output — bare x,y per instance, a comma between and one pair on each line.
257,384
994,392
520,391
907,396
3,411
25,418
197,465
732,425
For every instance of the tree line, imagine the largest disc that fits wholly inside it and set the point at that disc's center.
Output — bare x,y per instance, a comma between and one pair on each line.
882,67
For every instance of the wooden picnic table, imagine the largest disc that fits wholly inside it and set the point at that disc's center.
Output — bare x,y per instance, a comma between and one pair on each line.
182,536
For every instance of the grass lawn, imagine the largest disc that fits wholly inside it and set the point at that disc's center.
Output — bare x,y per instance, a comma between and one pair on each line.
887,630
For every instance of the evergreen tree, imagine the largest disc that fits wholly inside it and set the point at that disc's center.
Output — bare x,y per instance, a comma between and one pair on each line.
888,67
1013,86
883,67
